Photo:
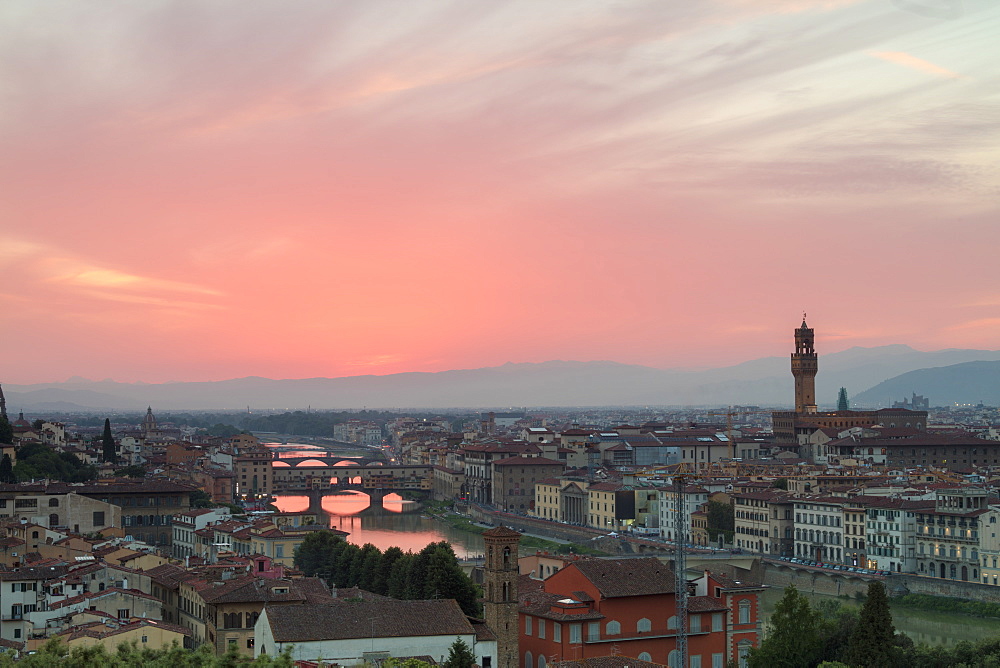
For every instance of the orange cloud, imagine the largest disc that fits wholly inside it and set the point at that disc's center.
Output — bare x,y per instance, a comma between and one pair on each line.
919,64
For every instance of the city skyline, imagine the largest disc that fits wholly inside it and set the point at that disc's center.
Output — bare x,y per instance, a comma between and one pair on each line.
203,191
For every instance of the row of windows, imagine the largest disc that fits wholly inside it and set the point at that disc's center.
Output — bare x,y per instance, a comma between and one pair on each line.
540,627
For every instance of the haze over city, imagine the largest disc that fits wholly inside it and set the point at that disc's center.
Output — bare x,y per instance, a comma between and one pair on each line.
202,191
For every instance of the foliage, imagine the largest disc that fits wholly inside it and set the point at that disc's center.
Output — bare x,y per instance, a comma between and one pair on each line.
131,472
460,655
871,644
794,639
943,604
842,403
127,655
201,499
432,573
109,448
780,483
721,520
6,431
7,470
223,430
36,461
406,663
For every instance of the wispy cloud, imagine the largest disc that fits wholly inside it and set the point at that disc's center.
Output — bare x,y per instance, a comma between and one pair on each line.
914,63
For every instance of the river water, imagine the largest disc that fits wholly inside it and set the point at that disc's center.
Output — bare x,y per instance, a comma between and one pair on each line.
401,525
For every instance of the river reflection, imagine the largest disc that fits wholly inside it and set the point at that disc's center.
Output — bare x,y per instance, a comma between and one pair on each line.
398,525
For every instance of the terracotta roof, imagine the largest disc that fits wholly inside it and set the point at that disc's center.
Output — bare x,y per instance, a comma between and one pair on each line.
527,461
249,589
615,578
540,604
366,619
501,532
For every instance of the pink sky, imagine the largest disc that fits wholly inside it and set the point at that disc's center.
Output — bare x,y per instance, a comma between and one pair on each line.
208,190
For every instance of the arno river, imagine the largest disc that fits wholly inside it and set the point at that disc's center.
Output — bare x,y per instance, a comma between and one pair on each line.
402,525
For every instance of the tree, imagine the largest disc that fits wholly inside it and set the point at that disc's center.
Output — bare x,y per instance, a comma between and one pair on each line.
460,655
132,472
842,403
871,644
780,483
7,470
721,520
110,450
794,637
6,431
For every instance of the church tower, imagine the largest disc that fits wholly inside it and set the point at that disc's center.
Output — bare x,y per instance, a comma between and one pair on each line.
500,600
804,368
149,424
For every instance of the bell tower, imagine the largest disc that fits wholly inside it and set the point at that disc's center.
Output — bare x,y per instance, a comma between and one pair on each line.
500,599
804,368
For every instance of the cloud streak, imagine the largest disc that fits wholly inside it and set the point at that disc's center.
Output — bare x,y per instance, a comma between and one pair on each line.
915,63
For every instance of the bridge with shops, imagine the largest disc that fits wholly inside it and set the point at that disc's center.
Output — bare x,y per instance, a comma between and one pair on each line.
372,479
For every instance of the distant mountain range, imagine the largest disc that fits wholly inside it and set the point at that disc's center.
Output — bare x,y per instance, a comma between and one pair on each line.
874,376
966,383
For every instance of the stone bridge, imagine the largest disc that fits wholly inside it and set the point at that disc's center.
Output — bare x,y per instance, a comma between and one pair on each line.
329,460
288,479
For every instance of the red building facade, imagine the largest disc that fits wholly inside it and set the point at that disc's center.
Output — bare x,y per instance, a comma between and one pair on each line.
626,607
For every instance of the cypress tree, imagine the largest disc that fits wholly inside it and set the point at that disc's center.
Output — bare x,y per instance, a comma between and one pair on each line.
7,470
110,451
794,638
871,644
6,431
842,403
460,655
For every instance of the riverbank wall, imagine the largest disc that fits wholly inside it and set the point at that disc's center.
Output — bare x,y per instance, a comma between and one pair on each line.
530,525
832,583
903,584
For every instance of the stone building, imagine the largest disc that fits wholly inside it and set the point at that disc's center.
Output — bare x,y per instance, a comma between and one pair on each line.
500,593
792,426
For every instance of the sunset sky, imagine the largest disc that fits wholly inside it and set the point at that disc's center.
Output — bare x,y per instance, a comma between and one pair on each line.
206,190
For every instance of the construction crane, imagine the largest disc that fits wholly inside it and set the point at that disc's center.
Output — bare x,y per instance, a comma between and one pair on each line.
730,414
680,569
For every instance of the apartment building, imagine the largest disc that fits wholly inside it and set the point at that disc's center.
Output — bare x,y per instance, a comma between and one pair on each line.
819,529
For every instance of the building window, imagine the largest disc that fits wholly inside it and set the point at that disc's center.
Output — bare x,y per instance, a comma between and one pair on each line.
644,656
541,629
594,631
643,625
123,613
614,628
556,632
694,624
98,518
744,612
527,626
575,633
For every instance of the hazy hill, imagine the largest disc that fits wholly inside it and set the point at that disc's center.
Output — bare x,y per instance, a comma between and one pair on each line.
765,381
967,383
